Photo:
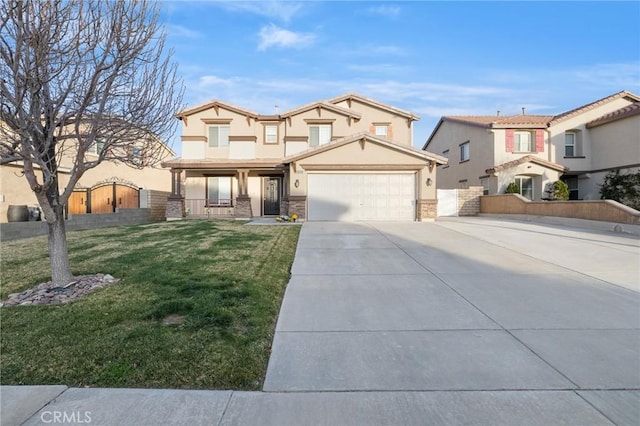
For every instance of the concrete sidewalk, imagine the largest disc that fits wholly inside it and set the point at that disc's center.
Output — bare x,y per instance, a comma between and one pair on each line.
466,321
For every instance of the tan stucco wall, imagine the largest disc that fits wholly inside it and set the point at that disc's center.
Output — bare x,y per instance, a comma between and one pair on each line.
449,136
616,143
400,129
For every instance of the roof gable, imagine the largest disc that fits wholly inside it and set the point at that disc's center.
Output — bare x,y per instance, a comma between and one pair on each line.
619,114
216,105
320,106
584,108
365,137
374,103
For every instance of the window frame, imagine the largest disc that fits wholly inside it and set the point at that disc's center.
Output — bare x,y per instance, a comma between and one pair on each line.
217,126
96,147
519,178
208,202
377,127
445,154
318,126
573,145
266,134
517,143
465,149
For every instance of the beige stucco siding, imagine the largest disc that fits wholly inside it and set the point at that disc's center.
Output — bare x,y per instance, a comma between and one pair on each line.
400,129
616,143
449,136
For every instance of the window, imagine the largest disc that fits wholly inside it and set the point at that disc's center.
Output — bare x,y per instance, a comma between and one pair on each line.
526,186
570,144
218,136
271,133
96,148
382,130
219,191
136,155
464,152
445,154
485,185
523,142
319,134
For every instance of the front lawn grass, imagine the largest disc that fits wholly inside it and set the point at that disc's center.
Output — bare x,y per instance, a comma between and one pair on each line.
195,307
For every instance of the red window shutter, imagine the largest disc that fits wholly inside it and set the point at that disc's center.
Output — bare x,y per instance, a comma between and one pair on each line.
509,140
539,140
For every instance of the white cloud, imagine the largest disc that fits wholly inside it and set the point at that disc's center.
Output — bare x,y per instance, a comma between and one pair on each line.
274,36
385,10
174,30
273,9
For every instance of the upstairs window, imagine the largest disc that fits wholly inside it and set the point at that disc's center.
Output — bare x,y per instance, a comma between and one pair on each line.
572,144
96,148
218,136
464,152
523,142
319,134
445,154
382,130
136,155
270,133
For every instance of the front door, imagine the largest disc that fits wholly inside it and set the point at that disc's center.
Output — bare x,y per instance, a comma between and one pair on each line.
271,196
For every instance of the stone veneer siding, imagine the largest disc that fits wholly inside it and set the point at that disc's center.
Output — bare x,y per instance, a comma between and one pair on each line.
175,208
298,205
469,201
427,209
243,207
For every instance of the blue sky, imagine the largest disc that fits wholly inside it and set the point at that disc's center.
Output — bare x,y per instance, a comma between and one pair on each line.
431,58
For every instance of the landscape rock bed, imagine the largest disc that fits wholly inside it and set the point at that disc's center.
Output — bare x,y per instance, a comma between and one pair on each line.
50,294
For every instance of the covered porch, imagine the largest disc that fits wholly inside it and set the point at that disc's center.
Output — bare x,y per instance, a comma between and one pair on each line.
226,189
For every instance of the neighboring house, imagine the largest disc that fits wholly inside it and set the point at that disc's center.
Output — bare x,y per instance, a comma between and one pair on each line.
578,146
347,158
102,189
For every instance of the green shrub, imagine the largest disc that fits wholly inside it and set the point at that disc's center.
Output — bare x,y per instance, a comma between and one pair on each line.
512,188
559,190
622,187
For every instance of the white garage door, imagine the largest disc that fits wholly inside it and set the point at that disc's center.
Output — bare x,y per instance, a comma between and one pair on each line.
353,197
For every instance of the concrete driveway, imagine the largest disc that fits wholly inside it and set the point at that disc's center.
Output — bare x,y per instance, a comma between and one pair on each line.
474,318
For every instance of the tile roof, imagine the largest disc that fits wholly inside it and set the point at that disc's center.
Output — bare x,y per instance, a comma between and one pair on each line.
628,111
497,121
325,105
527,159
572,113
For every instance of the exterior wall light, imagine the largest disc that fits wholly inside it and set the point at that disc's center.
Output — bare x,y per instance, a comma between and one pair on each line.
429,181
296,183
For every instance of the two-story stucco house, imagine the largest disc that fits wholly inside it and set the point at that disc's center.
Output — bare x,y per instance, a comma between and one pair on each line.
578,146
346,158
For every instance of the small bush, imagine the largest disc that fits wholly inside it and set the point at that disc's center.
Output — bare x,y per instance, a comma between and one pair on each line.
557,190
512,188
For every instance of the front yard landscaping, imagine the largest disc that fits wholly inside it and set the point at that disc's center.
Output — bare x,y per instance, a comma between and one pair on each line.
195,307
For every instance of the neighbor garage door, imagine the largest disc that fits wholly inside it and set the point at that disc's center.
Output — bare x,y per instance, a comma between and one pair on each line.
353,197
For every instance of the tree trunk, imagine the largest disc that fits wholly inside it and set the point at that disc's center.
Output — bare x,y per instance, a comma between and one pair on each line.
58,252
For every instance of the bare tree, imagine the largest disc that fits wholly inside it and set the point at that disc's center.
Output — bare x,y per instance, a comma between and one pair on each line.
79,76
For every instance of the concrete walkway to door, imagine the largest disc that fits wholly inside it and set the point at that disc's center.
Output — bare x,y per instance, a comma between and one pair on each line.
473,321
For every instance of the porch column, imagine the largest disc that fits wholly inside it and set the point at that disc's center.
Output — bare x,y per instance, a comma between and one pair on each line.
243,201
175,201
